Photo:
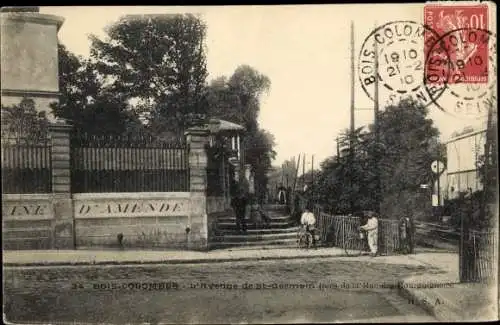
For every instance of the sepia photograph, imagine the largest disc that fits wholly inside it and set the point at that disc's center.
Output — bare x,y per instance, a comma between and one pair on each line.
251,164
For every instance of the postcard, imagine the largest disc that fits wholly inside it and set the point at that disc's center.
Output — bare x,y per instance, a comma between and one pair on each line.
330,163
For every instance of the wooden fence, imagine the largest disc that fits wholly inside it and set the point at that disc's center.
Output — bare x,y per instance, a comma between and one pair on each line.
26,166
478,257
335,230
128,164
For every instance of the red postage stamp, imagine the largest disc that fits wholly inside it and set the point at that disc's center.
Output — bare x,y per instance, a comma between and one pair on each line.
468,59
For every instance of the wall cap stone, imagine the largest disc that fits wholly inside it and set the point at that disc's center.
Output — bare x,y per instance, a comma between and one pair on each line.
30,93
60,124
27,197
33,17
131,195
197,131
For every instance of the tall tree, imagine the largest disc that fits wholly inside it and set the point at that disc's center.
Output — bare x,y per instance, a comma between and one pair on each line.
260,154
408,145
22,123
237,99
401,158
85,102
158,62
346,183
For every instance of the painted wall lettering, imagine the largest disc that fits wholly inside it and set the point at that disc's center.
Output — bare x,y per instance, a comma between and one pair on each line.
131,208
25,210
19,210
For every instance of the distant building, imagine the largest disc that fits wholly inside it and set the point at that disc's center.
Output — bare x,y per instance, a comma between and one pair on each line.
463,151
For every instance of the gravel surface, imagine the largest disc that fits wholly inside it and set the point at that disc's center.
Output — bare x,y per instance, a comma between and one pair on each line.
325,290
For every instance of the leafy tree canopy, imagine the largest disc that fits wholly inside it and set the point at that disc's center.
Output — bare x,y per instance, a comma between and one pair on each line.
237,99
399,157
157,62
22,122
85,102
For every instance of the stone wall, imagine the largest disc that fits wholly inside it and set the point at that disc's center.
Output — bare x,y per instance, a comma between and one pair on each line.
66,220
27,221
145,220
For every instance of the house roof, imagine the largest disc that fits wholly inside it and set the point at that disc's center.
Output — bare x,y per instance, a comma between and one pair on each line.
218,125
468,131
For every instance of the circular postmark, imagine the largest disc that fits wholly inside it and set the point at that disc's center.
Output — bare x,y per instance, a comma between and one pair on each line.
469,90
397,48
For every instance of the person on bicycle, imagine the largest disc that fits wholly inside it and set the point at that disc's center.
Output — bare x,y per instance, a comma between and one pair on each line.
308,221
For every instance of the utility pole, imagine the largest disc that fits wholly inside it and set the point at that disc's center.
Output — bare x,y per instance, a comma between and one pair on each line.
282,174
377,133
438,178
303,171
338,151
296,174
351,135
487,151
286,174
312,178
352,82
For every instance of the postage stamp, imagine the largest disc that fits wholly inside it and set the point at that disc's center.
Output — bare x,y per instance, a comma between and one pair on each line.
471,56
461,97
392,53
462,61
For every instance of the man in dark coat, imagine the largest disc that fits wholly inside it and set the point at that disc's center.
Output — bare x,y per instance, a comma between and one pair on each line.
239,203
281,195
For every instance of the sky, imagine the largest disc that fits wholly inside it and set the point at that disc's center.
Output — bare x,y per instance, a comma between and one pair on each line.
304,50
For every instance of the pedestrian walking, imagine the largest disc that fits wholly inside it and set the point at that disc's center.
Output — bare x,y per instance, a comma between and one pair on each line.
404,235
281,195
239,204
371,228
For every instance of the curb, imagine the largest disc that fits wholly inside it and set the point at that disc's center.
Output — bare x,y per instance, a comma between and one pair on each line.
167,262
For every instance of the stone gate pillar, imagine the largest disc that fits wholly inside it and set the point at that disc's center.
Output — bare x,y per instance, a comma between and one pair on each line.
197,139
30,58
62,203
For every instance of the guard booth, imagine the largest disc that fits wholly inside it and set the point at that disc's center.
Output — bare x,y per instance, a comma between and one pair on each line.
225,168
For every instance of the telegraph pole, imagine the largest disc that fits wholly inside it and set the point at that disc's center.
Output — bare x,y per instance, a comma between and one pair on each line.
312,178
377,133
338,151
438,180
487,151
303,171
296,173
352,83
351,135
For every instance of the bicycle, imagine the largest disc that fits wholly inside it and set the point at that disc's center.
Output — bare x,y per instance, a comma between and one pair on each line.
304,238
356,243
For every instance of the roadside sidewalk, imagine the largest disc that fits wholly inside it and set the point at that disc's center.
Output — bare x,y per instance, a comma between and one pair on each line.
117,257
131,257
444,297
135,257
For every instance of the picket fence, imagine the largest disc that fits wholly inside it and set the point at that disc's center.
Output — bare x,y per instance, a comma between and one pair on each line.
479,257
335,230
